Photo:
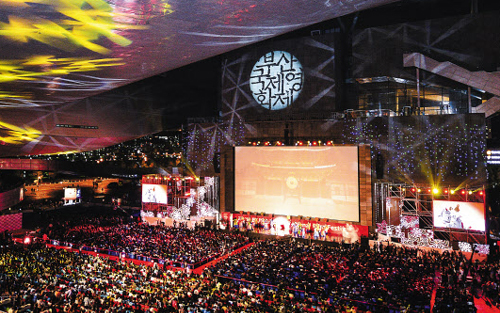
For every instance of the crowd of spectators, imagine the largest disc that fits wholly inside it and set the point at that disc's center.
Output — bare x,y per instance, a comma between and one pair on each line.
40,205
52,280
390,277
272,275
178,246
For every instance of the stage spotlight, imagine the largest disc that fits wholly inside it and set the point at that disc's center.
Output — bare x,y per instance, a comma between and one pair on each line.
445,191
463,192
481,193
452,192
27,240
429,190
413,190
315,143
470,192
435,191
419,190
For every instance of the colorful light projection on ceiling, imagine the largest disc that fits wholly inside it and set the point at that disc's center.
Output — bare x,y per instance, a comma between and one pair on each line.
66,59
11,134
81,24
73,25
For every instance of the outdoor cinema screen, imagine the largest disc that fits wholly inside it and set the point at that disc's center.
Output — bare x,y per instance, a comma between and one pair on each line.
152,193
459,215
308,181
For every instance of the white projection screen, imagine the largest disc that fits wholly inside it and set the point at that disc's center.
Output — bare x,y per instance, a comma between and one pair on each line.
152,193
308,181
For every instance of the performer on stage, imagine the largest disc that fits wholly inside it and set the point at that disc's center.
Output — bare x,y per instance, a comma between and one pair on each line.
350,234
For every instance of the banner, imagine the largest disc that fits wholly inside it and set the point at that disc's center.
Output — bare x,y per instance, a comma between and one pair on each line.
298,228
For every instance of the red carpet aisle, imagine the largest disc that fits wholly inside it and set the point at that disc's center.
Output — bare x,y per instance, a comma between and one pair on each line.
200,269
433,298
483,307
114,258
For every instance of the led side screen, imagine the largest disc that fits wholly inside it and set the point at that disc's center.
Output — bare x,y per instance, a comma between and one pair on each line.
70,194
308,181
154,193
459,215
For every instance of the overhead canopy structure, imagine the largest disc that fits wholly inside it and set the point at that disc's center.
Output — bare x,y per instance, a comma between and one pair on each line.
59,60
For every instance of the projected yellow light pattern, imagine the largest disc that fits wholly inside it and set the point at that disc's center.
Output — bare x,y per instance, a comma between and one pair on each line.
17,135
79,24
83,23
10,95
32,68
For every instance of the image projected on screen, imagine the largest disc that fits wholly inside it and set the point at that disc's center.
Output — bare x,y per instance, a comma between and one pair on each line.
154,193
308,181
459,215
70,193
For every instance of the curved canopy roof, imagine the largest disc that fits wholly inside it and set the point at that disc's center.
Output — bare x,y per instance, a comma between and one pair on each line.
60,58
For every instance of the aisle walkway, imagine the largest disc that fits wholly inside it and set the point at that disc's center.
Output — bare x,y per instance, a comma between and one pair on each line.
200,269
483,306
433,298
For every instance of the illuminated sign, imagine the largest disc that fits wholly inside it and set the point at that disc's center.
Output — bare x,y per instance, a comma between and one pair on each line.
493,157
276,80
77,126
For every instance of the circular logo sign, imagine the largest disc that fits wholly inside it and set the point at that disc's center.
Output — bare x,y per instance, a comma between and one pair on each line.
276,80
292,182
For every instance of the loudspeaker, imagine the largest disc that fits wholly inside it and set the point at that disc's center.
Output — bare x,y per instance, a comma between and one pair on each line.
288,135
216,162
379,166
396,239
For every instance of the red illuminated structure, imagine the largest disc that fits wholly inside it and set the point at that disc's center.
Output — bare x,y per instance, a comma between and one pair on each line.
440,217
160,192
